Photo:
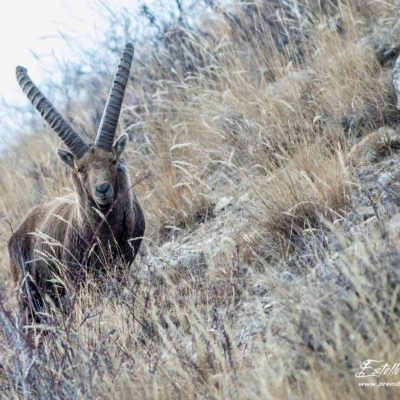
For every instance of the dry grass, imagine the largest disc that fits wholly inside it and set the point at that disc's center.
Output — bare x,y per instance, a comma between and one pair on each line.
270,295
313,185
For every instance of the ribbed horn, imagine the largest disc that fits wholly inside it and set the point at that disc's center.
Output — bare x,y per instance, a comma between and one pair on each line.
56,121
109,120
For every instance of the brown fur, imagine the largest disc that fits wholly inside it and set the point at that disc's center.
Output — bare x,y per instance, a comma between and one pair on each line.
75,234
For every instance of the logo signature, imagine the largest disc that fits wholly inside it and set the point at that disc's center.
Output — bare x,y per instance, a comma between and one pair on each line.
377,368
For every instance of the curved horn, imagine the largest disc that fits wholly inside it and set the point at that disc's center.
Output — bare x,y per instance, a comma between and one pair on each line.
109,120
56,121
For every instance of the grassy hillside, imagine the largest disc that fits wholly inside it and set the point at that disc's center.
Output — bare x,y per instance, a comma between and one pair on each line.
270,263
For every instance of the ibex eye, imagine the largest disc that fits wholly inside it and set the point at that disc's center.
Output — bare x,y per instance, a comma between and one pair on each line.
113,162
80,170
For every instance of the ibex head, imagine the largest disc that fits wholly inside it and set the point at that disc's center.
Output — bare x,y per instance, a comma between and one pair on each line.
94,166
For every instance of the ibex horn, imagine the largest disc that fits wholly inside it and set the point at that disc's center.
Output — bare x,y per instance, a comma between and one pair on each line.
56,121
109,120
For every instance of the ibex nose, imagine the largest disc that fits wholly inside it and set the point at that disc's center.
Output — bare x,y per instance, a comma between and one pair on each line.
102,189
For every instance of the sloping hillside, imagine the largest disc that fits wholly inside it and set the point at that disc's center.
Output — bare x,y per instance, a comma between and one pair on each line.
270,263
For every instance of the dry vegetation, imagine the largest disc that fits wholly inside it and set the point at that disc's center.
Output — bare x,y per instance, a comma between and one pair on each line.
261,275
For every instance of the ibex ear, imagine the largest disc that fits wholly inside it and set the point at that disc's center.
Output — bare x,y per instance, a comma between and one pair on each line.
66,156
120,144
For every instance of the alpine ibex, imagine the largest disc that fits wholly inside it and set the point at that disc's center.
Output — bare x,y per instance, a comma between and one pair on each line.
101,224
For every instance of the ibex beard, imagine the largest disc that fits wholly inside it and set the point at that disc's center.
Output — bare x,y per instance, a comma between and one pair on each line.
100,224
